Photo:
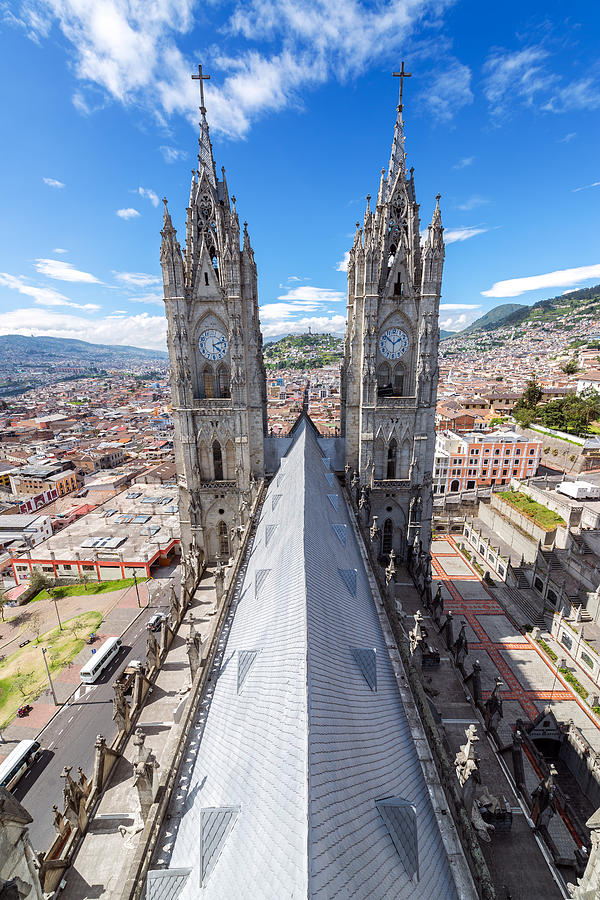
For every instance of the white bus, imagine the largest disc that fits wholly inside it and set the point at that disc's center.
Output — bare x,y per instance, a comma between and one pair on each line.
100,660
17,763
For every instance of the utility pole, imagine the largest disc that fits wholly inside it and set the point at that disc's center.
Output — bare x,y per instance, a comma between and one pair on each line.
136,589
49,678
55,601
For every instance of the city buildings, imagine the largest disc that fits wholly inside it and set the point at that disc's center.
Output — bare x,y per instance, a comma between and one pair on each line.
464,462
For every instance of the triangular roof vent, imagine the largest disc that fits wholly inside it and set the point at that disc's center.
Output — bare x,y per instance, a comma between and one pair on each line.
367,663
245,661
334,500
275,501
349,576
215,824
340,531
329,476
400,817
166,884
269,532
280,478
259,579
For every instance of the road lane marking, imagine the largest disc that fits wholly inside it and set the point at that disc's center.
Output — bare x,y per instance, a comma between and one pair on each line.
71,719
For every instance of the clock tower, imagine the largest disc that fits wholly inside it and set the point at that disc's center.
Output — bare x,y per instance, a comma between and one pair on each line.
217,373
390,372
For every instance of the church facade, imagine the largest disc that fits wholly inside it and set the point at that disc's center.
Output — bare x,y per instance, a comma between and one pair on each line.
217,373
388,376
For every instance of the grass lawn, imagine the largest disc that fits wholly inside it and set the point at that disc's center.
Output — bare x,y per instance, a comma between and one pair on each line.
92,587
533,510
23,674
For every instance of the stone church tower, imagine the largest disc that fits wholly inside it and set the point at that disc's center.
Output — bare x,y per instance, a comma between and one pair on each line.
390,372
217,376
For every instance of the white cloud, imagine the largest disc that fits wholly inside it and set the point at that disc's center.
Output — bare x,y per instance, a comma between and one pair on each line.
342,265
464,162
60,250
128,213
452,235
460,306
64,271
585,187
156,299
448,90
334,325
567,138
149,194
172,154
473,202
305,299
307,41
137,279
52,182
42,296
140,331
513,287
525,75
457,323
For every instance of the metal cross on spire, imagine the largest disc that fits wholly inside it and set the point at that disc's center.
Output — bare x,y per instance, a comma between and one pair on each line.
401,75
202,78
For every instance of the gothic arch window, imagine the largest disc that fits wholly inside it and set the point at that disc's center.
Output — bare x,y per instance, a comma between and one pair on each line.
214,260
217,461
208,382
391,256
379,454
223,536
204,462
398,380
223,380
229,460
384,380
404,460
455,486
388,536
391,458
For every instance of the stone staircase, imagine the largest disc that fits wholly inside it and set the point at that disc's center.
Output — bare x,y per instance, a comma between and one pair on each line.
531,612
522,582
551,559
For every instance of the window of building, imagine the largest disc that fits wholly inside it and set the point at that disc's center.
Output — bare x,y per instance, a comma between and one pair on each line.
470,485
391,459
217,461
67,566
223,535
88,568
388,536
518,451
496,453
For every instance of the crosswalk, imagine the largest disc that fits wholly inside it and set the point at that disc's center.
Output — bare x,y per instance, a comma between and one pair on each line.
82,690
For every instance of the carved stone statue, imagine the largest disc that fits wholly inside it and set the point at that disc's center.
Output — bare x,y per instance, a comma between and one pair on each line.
493,707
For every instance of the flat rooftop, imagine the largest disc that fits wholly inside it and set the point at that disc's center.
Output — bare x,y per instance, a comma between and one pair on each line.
131,526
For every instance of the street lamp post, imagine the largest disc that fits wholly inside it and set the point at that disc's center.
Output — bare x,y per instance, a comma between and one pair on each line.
49,678
55,601
136,590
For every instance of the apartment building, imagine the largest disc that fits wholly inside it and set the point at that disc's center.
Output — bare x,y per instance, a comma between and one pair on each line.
464,462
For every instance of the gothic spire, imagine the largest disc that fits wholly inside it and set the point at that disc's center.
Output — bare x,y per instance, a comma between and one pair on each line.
205,154
397,156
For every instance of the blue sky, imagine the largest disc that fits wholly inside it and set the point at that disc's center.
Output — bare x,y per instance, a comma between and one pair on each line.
502,118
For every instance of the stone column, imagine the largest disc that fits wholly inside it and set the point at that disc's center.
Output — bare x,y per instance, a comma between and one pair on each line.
99,754
219,581
193,648
145,769
449,630
476,682
517,760
587,887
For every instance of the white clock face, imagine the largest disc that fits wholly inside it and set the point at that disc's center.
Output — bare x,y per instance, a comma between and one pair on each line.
213,344
393,343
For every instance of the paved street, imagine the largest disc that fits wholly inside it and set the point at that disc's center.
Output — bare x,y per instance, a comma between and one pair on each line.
68,739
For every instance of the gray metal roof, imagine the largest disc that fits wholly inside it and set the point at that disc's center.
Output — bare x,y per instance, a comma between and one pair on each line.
302,750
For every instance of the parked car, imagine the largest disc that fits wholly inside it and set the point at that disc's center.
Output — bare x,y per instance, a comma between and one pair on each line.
155,621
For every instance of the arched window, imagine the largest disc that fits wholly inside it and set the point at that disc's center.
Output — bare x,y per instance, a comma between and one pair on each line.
391,458
388,536
204,462
217,461
379,455
404,461
208,380
223,535
384,380
229,460
223,381
455,486
398,382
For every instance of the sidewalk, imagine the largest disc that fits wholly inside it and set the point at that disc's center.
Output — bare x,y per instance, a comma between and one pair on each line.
122,610
105,855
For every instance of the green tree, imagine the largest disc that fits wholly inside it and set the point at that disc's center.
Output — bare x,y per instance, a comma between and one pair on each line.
38,581
571,367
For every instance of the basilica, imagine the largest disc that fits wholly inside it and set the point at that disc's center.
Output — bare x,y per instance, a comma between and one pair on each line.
388,376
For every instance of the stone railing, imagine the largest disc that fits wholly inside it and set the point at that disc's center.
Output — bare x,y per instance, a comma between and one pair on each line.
490,554
215,403
568,633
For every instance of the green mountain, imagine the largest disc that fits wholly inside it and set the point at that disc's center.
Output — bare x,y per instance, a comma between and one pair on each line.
444,335
575,304
23,351
303,351
494,317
